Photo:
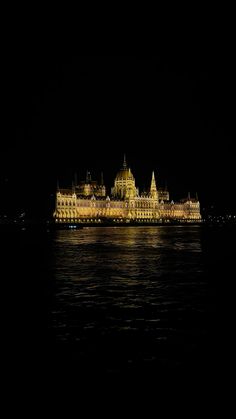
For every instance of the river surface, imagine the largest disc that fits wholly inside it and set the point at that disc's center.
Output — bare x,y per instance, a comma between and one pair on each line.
117,302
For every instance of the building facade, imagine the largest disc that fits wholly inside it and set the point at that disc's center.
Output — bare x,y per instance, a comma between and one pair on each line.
88,201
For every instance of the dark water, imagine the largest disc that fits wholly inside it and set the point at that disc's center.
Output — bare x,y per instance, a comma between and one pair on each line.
128,298
133,305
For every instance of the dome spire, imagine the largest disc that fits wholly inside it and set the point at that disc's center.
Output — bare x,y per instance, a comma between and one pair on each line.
124,163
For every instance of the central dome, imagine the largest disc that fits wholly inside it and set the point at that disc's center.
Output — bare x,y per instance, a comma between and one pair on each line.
124,186
124,174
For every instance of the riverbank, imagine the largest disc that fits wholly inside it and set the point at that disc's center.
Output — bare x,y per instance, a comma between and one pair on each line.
50,225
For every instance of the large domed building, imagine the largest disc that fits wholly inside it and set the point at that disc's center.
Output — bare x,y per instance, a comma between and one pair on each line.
87,201
124,186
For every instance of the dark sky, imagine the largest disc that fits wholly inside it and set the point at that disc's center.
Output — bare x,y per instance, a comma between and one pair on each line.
172,113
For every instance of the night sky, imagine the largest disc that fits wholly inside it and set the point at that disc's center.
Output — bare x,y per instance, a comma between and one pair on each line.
172,113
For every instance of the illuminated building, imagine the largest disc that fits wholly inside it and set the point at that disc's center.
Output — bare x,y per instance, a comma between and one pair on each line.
88,201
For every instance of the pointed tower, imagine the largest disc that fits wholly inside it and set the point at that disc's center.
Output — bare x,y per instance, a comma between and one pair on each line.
153,189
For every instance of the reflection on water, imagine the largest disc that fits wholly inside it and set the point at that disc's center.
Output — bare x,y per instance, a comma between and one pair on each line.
115,300
127,296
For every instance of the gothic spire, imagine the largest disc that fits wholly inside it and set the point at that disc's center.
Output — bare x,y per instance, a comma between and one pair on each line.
153,183
153,189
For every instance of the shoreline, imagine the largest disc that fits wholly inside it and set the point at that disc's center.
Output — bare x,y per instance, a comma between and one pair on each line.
50,225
